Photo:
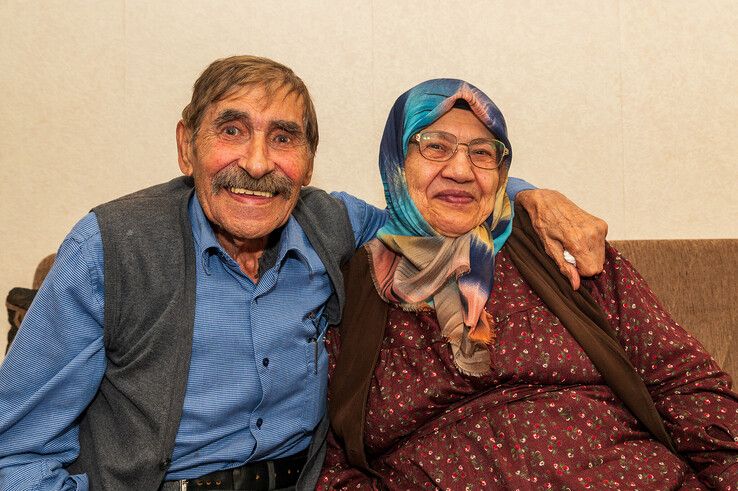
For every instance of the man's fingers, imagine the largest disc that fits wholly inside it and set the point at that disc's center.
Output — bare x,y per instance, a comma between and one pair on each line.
571,272
589,253
587,245
562,224
555,250
591,263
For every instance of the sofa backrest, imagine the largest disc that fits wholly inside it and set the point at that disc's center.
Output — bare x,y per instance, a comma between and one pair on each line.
697,282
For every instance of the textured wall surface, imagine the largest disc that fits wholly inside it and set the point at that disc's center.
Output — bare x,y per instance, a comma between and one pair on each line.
629,107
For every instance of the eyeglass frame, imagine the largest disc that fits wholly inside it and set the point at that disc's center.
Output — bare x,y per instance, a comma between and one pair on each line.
505,152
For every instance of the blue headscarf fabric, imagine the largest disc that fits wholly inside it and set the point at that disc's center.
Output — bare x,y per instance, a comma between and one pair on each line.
413,111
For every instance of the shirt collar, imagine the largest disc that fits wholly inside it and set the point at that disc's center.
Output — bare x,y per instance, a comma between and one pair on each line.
292,239
202,231
295,241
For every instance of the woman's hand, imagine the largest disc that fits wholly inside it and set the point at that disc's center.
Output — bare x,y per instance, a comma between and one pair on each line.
562,225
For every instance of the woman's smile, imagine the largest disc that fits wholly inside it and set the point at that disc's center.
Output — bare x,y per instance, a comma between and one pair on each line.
454,197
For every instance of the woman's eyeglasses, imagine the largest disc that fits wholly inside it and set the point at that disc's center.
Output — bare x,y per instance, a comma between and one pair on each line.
441,146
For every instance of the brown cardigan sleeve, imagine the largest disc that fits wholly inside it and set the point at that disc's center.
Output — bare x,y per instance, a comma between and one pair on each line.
361,331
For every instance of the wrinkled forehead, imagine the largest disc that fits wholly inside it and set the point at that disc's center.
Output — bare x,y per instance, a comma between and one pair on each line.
257,100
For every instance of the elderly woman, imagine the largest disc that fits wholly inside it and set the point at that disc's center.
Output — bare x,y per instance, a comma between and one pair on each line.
465,362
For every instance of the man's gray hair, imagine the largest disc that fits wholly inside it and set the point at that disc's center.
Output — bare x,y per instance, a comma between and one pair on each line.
226,75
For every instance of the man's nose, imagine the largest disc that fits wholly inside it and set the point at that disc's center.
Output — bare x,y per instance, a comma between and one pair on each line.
255,159
459,167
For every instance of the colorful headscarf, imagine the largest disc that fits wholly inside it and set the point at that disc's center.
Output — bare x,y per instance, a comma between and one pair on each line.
415,266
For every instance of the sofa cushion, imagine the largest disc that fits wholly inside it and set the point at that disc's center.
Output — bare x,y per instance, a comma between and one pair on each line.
697,282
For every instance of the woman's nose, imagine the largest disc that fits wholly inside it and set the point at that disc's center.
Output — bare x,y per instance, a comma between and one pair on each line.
459,166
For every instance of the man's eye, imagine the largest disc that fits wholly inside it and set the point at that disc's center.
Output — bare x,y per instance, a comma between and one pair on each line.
283,140
231,131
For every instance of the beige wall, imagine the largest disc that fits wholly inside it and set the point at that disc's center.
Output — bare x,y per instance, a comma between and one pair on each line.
629,107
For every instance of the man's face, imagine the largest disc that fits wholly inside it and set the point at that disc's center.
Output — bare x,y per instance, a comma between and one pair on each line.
249,160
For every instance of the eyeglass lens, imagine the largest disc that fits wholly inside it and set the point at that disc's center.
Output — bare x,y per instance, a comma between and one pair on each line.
441,146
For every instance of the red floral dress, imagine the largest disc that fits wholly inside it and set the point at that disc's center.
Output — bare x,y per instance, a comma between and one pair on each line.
544,418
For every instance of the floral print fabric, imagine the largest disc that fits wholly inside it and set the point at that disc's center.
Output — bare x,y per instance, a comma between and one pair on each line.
544,418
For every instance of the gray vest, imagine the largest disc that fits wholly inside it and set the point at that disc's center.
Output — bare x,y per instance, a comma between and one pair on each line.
127,433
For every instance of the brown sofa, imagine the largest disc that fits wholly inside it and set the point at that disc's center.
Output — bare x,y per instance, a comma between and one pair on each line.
697,282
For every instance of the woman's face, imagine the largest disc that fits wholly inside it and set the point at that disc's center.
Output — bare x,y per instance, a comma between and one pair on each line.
453,196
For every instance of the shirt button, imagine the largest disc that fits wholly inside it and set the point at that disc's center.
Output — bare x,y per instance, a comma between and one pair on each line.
265,362
259,422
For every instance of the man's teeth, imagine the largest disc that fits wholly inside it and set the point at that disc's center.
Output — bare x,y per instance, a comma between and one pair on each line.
251,192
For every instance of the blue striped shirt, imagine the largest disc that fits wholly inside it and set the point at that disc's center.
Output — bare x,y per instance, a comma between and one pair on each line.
257,381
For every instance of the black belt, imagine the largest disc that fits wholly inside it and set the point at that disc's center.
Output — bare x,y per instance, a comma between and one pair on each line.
263,475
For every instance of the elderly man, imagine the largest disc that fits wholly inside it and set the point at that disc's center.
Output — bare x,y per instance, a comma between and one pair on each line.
177,342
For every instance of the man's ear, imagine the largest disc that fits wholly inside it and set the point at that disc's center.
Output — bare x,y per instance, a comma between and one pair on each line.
184,149
309,173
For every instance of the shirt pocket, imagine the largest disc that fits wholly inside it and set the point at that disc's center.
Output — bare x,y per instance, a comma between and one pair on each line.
316,362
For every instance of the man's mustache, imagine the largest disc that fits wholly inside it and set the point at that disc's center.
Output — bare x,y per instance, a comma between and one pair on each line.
235,177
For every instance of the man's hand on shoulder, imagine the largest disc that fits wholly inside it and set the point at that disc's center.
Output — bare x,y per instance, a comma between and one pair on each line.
562,225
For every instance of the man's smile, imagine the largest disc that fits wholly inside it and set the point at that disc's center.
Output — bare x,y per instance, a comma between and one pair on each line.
251,192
